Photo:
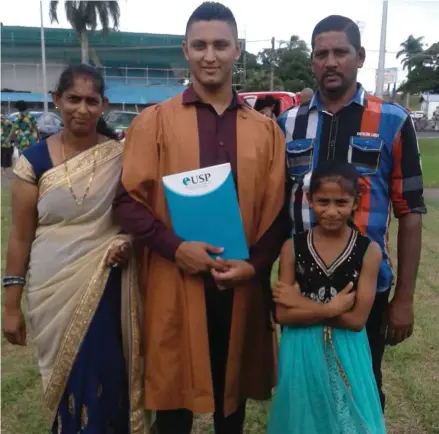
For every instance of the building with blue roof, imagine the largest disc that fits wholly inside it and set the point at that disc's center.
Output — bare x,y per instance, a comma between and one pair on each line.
139,68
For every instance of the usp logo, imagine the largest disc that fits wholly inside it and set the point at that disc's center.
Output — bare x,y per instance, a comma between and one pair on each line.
202,178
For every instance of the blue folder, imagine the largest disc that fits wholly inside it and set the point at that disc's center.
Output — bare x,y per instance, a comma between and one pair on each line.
203,206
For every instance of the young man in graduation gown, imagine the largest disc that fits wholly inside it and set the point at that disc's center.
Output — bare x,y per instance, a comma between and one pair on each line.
207,349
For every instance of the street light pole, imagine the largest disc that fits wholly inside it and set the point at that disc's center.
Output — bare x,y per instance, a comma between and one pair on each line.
273,44
382,57
43,60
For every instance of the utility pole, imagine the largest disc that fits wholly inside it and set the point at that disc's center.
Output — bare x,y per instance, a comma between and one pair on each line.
245,59
273,42
43,60
382,57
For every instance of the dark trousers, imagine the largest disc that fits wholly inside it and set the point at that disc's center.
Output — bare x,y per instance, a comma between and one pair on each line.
376,339
219,305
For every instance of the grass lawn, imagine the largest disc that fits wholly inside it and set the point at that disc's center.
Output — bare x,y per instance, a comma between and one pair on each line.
430,161
411,375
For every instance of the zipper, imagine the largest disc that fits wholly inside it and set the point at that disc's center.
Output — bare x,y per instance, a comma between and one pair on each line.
332,137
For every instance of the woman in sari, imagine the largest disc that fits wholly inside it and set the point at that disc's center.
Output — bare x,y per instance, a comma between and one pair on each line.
82,297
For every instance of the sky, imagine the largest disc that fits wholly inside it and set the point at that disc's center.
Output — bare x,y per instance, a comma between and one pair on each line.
260,20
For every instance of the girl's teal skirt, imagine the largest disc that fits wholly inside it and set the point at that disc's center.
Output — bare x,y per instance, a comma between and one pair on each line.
326,384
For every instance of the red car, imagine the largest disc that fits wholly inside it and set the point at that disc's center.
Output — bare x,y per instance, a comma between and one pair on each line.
285,100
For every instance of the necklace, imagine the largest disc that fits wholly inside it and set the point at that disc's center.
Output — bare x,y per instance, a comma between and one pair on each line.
80,201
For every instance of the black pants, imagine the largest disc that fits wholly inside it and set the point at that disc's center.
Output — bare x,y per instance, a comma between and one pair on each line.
7,154
219,305
376,339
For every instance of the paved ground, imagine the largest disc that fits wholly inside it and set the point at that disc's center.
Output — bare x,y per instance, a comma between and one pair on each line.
431,193
428,134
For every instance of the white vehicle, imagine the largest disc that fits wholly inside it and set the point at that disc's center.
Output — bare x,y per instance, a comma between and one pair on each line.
417,114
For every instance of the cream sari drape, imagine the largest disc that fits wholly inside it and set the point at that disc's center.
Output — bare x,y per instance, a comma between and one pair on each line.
67,272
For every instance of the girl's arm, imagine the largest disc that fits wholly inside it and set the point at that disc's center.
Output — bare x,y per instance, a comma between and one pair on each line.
356,318
305,311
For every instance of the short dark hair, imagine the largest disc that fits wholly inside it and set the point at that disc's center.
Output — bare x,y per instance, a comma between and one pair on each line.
21,106
342,173
213,11
338,23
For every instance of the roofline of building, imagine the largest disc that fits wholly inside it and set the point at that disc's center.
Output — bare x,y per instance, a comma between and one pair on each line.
48,30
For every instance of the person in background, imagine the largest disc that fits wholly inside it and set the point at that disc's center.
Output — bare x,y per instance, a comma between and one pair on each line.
268,106
342,122
6,144
326,288
436,119
209,339
24,132
305,95
79,274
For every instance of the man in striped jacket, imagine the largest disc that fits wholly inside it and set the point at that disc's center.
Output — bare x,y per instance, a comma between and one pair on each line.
343,122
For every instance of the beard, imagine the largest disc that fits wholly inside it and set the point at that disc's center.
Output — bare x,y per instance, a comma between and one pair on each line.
334,93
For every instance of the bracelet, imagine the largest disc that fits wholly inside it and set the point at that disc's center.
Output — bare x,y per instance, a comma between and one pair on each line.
13,283
13,280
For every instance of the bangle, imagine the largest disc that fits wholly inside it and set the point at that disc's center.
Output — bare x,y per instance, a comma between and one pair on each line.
13,283
13,280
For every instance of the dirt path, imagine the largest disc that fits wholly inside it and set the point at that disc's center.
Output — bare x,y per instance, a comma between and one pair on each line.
431,193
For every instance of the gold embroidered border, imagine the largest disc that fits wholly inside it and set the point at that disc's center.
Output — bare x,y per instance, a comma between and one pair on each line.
24,170
328,341
136,384
79,164
73,337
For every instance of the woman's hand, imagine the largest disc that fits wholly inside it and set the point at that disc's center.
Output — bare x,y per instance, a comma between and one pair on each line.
119,256
14,326
286,295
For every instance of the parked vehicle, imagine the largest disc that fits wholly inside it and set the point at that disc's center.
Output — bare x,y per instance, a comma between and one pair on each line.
286,100
119,121
48,123
417,114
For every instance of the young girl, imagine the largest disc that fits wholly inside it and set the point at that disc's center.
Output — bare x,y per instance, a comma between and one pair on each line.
327,283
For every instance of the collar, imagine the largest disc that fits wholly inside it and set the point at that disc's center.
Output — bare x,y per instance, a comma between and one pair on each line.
359,98
190,97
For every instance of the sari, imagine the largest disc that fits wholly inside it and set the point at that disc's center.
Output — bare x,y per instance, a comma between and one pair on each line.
68,275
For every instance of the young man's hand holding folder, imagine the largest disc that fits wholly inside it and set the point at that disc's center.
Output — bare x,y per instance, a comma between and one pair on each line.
193,257
234,272
204,208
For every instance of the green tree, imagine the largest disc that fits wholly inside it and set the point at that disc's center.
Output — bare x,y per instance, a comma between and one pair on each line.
292,67
423,75
84,16
295,65
411,48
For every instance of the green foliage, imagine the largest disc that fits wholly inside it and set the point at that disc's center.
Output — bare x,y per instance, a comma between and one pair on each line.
292,67
422,66
84,15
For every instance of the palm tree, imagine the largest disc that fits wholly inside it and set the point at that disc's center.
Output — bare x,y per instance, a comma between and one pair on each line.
411,48
84,16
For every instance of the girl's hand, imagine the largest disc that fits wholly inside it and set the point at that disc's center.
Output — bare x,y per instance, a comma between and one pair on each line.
343,301
119,256
286,295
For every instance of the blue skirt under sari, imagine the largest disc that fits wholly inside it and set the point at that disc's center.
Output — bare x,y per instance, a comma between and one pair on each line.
326,384
96,399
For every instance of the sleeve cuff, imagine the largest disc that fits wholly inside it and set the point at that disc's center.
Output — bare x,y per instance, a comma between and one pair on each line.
169,246
419,210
